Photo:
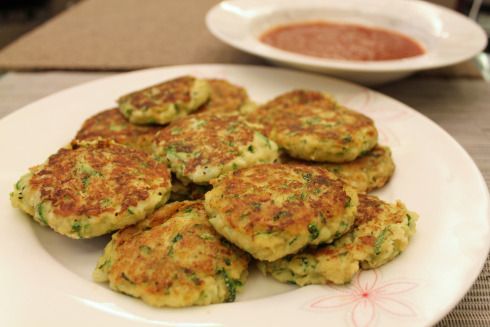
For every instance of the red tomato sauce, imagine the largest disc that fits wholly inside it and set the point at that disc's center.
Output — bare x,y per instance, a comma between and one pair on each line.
342,41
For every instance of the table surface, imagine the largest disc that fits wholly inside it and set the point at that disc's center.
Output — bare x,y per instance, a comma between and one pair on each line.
460,106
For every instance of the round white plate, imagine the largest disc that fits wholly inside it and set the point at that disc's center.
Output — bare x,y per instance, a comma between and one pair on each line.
447,36
46,277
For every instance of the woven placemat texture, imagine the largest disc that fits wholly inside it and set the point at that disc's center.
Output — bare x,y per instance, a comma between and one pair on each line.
122,35
474,309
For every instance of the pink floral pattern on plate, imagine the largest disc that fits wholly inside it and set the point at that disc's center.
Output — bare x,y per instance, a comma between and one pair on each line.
367,102
366,298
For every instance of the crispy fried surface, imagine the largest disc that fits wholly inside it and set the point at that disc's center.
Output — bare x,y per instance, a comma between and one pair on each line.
95,187
368,172
300,97
162,103
174,258
203,146
273,210
224,97
381,232
111,124
311,126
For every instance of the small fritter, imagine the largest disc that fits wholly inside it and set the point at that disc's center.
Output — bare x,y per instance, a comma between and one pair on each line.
381,232
93,188
201,147
226,97
300,97
368,172
162,103
312,126
183,192
173,259
111,124
273,210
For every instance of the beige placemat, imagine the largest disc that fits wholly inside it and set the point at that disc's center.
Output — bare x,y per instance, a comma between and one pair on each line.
118,35
122,35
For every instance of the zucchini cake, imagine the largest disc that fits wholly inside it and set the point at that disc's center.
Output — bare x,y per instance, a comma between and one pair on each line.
201,147
173,259
273,210
381,232
366,173
111,124
92,188
226,97
164,102
311,126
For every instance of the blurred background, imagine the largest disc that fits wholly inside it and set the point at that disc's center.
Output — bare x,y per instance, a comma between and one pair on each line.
20,16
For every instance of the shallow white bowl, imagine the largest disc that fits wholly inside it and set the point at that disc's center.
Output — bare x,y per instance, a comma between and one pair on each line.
447,36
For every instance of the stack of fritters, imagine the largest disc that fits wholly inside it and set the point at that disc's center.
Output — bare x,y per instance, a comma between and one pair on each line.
381,231
303,214
162,103
111,124
311,128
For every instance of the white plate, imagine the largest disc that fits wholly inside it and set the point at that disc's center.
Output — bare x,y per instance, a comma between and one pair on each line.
46,277
447,36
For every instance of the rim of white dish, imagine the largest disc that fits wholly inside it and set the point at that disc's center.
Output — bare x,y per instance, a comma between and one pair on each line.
103,306
235,22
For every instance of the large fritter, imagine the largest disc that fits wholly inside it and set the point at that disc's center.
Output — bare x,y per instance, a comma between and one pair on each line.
174,258
93,188
382,231
201,147
312,126
111,124
274,210
162,103
368,172
226,97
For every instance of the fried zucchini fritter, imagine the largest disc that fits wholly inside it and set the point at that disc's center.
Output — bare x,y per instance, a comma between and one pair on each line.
273,210
204,146
111,124
312,126
368,172
164,102
173,259
381,232
93,188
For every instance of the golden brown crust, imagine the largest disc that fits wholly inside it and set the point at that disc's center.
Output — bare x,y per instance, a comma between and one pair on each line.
225,97
77,181
209,144
175,258
369,208
380,233
177,90
244,193
312,126
203,146
368,172
111,124
296,204
299,97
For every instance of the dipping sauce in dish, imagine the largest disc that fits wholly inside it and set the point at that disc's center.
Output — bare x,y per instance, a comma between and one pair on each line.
342,41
